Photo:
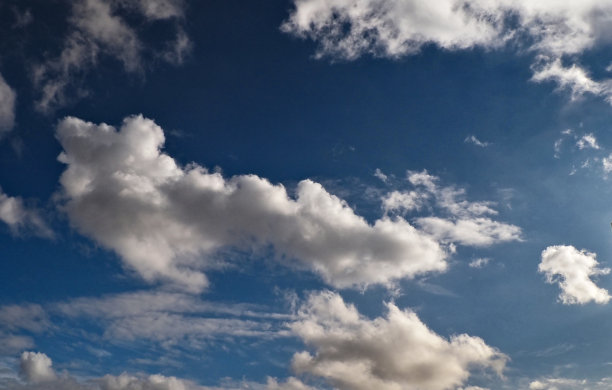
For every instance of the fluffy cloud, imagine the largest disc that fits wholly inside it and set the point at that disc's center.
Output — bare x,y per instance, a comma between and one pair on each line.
348,29
20,218
572,270
467,223
391,353
36,367
97,28
7,107
37,371
167,221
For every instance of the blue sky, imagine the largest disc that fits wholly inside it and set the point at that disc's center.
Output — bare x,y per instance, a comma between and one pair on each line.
303,194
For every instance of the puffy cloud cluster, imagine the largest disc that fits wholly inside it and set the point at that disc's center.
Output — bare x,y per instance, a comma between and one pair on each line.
7,107
19,218
468,223
167,221
98,28
37,372
572,270
393,352
570,384
555,30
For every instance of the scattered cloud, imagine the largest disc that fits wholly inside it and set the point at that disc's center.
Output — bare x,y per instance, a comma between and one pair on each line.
171,318
479,263
396,351
97,28
37,371
7,107
347,29
380,175
467,222
572,270
167,221
471,139
587,141
570,384
20,218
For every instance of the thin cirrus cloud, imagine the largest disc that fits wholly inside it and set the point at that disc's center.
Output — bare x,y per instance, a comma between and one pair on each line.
396,351
97,28
166,222
555,32
466,222
572,270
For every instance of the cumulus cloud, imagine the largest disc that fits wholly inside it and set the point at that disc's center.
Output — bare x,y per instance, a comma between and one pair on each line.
36,367
347,29
20,218
572,270
587,141
393,352
7,107
98,28
479,263
37,371
167,221
467,222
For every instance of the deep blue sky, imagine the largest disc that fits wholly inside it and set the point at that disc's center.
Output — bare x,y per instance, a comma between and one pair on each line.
250,99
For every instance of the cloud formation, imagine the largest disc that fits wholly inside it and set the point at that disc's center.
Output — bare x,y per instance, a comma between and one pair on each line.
166,221
7,107
554,31
20,218
572,270
37,371
393,352
99,28
467,223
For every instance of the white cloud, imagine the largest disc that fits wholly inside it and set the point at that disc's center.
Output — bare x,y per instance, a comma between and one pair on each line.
37,371
572,270
470,232
467,223
348,29
36,367
97,28
7,107
167,221
31,317
479,263
20,218
471,139
587,141
380,175
393,352
570,384
606,162
171,318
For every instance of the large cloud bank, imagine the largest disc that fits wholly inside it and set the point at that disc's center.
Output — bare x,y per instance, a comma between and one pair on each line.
572,270
166,221
553,30
393,352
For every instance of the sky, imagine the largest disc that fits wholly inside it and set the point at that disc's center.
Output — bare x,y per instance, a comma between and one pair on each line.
305,195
